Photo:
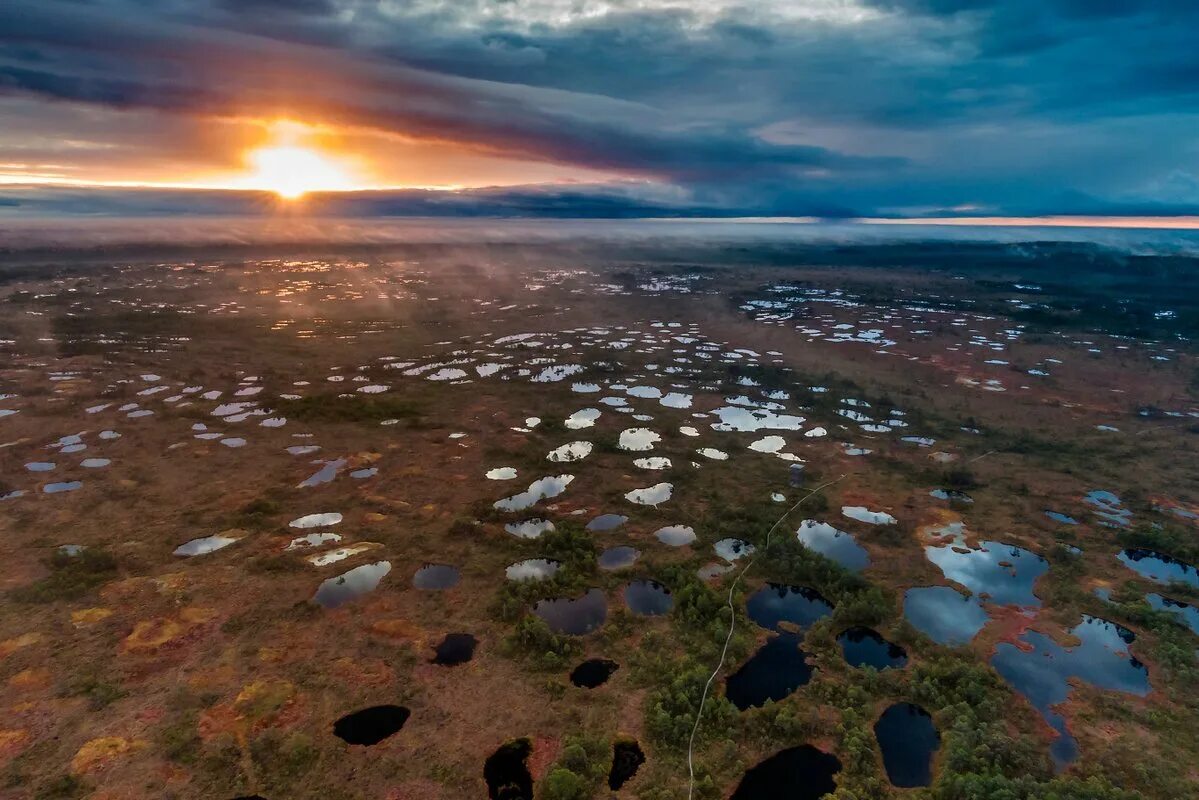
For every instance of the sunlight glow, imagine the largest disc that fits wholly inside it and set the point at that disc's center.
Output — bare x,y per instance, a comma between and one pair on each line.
290,167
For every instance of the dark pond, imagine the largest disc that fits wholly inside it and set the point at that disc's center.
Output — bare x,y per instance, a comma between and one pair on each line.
797,773
454,649
863,647
507,773
593,672
943,614
618,557
775,671
370,725
908,739
1159,566
350,585
435,576
648,598
575,617
627,758
1002,573
833,544
1189,614
1041,672
777,602
607,522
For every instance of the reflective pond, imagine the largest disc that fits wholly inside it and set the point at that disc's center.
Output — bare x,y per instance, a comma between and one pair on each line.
618,557
1189,614
776,670
777,602
205,544
648,598
574,616
435,576
797,773
944,614
607,522
1159,566
351,585
532,569
999,573
627,758
529,528
540,489
1040,669
651,495
833,544
675,535
908,740
864,647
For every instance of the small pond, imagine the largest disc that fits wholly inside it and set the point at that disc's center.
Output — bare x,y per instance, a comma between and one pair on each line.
833,544
797,773
618,557
370,725
574,616
351,585
507,772
435,576
533,569
593,672
454,649
648,598
864,647
777,602
627,758
944,614
778,668
607,522
1159,566
908,740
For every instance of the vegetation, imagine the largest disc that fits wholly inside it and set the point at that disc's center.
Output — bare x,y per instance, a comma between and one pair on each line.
70,578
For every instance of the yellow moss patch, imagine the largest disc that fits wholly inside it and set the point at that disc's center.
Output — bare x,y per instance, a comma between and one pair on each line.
10,646
100,752
89,616
11,742
30,679
151,634
261,700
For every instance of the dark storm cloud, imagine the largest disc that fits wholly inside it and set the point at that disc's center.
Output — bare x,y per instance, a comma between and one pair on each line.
895,106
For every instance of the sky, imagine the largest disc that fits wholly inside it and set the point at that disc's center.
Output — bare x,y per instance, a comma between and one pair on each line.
600,108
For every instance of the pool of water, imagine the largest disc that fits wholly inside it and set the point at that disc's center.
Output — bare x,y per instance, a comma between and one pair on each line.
607,522
864,647
675,535
529,528
648,598
777,602
435,576
833,544
618,557
638,439
1159,566
1187,613
576,616
944,614
506,772
999,573
908,740
797,773
351,585
627,758
533,569
593,673
1041,670
733,549
1057,516
205,544
371,725
540,489
1109,508
776,670
454,649
863,514
571,451
651,495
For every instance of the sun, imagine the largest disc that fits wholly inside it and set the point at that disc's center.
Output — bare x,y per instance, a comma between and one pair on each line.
291,168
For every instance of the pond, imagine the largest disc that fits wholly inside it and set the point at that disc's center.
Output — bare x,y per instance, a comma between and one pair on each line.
1159,566
435,576
1109,508
65,486
944,614
370,725
533,569
999,573
833,544
593,672
908,740
529,528
205,544
777,602
647,598
864,647
1057,516
607,522
776,670
1189,614
507,772
638,439
627,758
454,649
574,616
316,520
733,549
571,451
500,474
797,773
351,585
651,495
540,489
618,557
675,535
863,514
582,419
1041,669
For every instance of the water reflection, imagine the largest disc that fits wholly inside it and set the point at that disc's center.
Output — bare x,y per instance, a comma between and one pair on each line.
615,558
574,616
648,598
944,614
864,647
777,602
797,773
1158,566
351,585
908,740
833,544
